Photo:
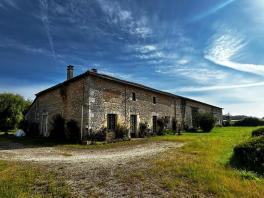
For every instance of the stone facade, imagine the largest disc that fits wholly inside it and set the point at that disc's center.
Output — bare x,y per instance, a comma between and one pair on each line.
91,97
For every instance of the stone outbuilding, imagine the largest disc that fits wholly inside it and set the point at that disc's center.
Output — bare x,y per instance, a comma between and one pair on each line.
99,101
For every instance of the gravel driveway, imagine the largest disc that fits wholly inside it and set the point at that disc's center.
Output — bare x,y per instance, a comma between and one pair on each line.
88,171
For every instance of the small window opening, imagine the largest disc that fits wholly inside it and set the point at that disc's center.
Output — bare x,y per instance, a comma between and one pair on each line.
154,99
133,96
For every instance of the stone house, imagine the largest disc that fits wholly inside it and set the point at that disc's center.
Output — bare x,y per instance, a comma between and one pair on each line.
96,101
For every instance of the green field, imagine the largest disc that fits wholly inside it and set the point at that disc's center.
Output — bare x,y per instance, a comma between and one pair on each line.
200,168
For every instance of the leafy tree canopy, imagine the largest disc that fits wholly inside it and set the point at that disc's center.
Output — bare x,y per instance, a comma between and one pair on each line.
12,110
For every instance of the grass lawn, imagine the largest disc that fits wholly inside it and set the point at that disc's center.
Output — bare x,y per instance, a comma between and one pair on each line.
198,169
24,180
201,167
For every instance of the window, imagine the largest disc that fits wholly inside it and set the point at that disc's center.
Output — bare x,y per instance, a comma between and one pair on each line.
133,96
111,122
154,99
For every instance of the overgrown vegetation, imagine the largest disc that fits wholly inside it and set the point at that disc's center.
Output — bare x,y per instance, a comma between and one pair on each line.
143,129
250,155
57,131
258,132
73,131
162,125
121,132
30,128
64,131
12,110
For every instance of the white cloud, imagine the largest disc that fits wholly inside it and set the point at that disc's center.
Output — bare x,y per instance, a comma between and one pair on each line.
226,45
220,87
183,61
135,25
199,74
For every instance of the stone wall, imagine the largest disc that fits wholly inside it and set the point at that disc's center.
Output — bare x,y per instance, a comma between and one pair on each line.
89,99
65,100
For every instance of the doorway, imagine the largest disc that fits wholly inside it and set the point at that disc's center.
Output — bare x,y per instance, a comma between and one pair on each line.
154,124
133,125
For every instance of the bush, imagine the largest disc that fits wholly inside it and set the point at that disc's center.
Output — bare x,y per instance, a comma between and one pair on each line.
206,122
250,121
101,135
192,130
250,155
73,131
143,129
30,128
258,132
58,128
162,124
121,132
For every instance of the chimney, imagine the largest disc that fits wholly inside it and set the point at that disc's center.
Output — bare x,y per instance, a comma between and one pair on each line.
69,72
94,70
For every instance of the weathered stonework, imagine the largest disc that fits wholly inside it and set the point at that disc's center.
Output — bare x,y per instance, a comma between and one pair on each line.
90,97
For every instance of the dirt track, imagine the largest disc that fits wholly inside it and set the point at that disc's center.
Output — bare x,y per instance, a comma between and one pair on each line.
91,172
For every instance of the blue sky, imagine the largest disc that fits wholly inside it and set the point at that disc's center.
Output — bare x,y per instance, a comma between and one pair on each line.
209,50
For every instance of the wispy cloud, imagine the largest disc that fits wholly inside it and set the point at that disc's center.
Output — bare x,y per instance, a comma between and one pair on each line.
12,44
135,25
220,87
212,10
45,20
5,4
226,45
201,74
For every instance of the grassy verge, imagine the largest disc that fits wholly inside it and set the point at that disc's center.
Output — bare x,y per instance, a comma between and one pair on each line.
24,180
201,167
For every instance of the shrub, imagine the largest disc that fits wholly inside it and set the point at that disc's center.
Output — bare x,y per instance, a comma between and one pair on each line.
192,130
73,131
143,128
258,132
162,124
121,132
206,122
58,128
101,134
30,128
250,121
250,155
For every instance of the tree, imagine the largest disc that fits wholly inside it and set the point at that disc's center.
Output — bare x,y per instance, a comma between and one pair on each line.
12,110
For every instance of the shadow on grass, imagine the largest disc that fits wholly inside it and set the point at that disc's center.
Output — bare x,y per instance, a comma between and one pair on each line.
10,142
247,170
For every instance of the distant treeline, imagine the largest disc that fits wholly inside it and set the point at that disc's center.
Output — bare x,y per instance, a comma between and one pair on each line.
234,117
246,121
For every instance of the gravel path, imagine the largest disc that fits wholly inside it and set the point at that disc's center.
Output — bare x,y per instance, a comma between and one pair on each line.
15,151
92,173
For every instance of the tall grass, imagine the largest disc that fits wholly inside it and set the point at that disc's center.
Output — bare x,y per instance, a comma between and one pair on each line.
201,167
